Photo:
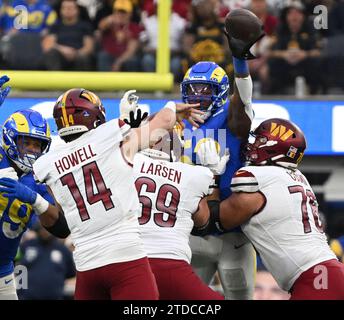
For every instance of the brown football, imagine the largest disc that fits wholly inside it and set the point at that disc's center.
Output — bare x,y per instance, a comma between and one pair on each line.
243,24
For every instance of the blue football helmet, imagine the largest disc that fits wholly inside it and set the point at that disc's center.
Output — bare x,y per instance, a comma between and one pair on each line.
205,83
25,123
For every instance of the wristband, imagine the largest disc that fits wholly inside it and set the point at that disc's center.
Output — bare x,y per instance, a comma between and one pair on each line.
240,66
40,205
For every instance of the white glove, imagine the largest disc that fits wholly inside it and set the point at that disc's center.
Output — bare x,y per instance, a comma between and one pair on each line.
8,173
210,158
127,104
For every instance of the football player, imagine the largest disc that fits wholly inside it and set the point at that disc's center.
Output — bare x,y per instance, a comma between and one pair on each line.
92,181
169,198
227,121
25,137
278,211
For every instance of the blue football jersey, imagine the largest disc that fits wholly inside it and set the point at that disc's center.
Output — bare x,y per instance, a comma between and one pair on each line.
15,218
216,128
39,16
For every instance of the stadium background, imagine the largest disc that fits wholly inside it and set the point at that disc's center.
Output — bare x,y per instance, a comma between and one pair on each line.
320,115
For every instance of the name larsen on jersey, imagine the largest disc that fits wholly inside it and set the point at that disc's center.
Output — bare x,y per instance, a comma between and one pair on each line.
160,170
73,159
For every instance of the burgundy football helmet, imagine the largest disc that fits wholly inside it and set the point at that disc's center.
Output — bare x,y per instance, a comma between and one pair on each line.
77,111
277,142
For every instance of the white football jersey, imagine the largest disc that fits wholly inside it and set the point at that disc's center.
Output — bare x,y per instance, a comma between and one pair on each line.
287,232
95,187
169,193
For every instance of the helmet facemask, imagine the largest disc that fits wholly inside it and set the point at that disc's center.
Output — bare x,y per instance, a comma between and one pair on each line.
24,157
205,93
205,83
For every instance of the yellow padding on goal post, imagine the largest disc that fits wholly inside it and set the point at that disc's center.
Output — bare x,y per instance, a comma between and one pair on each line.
100,81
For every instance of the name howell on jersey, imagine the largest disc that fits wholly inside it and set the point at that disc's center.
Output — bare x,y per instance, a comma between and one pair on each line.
73,159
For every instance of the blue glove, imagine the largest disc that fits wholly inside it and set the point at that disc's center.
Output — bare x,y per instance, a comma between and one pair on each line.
15,189
4,92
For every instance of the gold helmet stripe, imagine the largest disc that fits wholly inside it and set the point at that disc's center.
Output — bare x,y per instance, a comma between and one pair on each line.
63,106
21,122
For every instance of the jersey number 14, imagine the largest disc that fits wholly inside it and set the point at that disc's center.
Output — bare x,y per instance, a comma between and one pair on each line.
92,177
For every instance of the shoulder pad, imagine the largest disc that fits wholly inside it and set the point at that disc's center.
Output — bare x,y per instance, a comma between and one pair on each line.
244,181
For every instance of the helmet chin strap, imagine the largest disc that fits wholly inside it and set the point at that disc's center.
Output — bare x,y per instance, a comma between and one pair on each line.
22,166
208,113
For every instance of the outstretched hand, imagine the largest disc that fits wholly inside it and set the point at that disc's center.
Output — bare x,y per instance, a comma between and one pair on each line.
4,92
190,113
127,104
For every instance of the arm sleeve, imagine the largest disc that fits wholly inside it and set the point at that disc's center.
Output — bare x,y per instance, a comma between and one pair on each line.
60,229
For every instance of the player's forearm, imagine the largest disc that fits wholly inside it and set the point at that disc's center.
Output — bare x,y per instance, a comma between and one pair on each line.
50,216
165,118
212,224
241,112
238,121
239,208
151,132
55,222
201,216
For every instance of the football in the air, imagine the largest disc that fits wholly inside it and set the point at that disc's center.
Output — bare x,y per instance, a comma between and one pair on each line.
243,24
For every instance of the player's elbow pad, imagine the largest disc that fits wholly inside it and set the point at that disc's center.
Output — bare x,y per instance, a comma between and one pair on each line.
213,226
60,228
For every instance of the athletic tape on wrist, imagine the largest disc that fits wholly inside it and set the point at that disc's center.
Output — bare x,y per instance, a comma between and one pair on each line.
40,205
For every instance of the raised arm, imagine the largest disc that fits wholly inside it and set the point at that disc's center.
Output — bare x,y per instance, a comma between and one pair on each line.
152,131
240,113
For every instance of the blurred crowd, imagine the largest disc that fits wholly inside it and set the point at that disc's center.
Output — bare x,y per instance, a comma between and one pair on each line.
303,42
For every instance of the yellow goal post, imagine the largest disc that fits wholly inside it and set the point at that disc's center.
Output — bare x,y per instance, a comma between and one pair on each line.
161,80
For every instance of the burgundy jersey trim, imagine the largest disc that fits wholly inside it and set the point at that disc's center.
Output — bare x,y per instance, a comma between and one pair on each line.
121,123
243,173
244,181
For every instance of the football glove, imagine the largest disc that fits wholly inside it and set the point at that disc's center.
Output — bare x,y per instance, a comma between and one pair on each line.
136,120
241,49
14,189
209,157
127,104
4,92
